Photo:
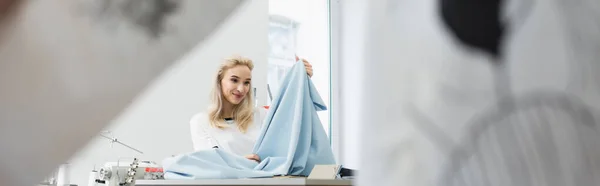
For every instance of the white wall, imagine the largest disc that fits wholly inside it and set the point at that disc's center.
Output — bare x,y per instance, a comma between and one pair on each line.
157,122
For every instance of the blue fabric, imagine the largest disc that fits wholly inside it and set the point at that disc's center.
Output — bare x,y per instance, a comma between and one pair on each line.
291,141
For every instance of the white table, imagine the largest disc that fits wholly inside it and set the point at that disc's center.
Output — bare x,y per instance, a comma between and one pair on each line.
244,182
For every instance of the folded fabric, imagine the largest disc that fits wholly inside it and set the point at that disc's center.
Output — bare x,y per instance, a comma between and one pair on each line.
291,142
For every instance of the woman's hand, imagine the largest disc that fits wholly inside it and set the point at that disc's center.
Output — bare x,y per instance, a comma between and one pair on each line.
253,157
307,65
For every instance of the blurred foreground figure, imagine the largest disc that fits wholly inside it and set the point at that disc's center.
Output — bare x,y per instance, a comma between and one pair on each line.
68,67
491,93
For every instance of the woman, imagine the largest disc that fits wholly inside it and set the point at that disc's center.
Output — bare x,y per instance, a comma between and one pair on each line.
232,123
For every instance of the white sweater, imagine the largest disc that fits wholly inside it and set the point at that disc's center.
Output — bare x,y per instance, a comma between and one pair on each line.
229,139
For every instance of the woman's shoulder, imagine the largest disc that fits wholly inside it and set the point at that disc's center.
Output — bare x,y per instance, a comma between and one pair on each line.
199,119
260,114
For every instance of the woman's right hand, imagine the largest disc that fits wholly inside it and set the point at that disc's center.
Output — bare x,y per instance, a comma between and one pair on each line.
307,65
253,157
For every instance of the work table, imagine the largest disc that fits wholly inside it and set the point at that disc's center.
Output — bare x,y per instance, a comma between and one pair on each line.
244,182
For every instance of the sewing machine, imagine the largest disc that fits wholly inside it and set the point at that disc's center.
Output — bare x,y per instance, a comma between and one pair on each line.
126,173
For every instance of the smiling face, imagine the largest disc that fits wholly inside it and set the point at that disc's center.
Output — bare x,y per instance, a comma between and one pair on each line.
235,84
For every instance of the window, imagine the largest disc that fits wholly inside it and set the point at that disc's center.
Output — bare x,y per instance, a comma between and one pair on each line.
282,48
301,27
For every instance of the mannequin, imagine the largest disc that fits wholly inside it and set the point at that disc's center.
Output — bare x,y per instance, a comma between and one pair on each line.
505,96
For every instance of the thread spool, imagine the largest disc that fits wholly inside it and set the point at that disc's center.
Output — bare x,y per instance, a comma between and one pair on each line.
92,178
62,178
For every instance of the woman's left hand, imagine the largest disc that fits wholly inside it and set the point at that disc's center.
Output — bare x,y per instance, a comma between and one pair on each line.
253,157
307,65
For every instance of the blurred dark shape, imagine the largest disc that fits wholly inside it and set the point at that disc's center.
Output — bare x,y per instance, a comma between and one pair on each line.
475,23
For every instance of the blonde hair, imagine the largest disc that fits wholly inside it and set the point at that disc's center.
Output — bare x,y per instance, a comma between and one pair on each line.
243,113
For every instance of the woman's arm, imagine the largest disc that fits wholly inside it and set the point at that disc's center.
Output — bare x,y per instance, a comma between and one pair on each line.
200,138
